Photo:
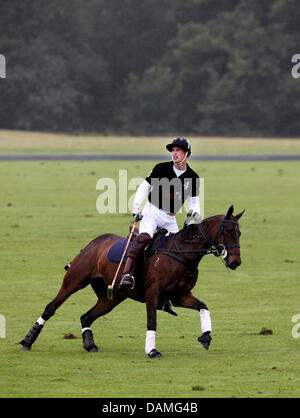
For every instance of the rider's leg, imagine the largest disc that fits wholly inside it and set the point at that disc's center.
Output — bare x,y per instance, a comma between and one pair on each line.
147,227
152,217
168,222
134,253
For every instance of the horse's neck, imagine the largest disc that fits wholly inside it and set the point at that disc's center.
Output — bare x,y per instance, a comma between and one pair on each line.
191,238
209,226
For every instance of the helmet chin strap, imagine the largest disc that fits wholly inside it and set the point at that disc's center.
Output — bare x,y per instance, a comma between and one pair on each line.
183,160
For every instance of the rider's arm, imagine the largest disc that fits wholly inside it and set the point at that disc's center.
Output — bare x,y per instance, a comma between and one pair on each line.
140,195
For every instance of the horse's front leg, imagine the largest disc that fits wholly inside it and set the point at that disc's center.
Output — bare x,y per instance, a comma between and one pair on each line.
151,304
189,301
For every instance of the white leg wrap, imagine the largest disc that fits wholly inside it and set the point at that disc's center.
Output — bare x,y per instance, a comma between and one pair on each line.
150,341
205,320
41,321
84,329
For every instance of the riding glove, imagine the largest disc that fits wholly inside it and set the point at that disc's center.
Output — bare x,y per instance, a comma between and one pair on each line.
137,216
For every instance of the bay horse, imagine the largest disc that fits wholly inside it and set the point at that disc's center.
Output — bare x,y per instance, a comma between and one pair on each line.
170,273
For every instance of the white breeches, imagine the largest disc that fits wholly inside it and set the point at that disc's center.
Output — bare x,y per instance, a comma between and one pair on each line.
154,217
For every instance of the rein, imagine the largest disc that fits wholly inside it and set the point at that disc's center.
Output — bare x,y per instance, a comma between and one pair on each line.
219,251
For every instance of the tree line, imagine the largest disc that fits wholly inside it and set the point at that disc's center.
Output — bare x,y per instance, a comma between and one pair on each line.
207,67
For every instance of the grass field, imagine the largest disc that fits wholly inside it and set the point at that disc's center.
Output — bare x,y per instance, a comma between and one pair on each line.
48,213
37,142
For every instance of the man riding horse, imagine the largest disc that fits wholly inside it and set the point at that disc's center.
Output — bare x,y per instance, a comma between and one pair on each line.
171,273
162,205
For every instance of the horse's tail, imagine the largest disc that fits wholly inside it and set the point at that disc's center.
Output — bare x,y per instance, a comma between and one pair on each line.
95,241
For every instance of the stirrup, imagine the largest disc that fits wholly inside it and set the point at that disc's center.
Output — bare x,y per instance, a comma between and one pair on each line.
127,282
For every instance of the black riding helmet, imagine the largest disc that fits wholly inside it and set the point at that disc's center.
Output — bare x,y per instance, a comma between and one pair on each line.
180,143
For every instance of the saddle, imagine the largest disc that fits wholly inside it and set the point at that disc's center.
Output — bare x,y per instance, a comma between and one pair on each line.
116,251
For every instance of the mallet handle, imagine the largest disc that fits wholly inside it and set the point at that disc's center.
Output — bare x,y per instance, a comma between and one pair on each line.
110,287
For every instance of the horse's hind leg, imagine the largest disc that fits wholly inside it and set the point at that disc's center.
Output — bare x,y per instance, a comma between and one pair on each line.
189,301
71,284
102,307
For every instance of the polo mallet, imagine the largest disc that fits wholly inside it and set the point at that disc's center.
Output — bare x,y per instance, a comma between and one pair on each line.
110,287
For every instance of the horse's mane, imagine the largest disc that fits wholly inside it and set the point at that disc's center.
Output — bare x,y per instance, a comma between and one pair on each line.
204,221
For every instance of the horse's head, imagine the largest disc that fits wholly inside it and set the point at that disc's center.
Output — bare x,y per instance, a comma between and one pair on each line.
227,239
219,235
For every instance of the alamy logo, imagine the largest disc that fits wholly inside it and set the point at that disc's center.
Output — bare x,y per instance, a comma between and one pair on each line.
2,326
296,68
296,327
2,66
114,195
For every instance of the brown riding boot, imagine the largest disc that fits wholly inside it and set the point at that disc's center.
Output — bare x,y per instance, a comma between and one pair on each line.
136,250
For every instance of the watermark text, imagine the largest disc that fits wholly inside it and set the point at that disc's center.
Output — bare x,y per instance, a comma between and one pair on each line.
296,327
2,326
118,196
2,66
296,68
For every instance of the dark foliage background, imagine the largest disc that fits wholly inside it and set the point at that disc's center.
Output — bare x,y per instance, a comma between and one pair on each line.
210,67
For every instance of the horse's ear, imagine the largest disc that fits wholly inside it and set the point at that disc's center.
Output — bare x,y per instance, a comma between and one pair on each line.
237,217
229,212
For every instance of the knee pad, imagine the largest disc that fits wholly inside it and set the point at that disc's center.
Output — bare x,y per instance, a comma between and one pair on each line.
143,237
138,245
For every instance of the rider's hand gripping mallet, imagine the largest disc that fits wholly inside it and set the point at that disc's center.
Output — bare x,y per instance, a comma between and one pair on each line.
111,286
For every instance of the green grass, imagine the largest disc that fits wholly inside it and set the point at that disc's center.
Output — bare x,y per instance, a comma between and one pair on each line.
12,142
48,213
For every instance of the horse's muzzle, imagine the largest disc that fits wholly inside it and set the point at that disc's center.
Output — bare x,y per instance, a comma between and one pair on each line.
233,264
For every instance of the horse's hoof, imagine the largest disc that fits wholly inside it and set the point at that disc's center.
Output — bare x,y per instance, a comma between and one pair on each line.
94,349
88,342
154,354
205,340
167,307
26,347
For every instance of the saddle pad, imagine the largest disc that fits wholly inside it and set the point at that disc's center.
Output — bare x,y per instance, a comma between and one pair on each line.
116,251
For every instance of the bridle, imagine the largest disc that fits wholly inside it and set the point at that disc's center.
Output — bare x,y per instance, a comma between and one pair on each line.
225,245
221,250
